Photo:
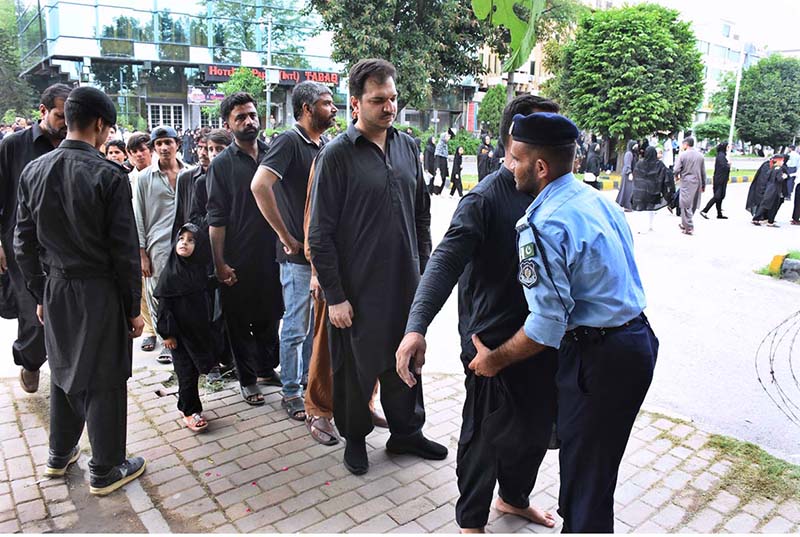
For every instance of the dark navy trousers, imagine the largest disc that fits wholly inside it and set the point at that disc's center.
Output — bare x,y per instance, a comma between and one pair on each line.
602,379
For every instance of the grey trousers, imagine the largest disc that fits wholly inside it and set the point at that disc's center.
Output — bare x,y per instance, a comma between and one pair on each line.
689,200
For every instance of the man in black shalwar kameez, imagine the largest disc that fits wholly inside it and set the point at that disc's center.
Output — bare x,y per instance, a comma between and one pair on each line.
508,419
369,237
77,247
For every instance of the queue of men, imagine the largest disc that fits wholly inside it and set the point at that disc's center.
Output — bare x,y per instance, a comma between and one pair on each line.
555,345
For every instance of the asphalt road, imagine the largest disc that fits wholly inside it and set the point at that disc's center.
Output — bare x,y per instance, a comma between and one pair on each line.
707,306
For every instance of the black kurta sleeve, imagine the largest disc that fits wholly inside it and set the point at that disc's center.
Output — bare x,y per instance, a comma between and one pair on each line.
166,326
123,245
220,194
26,245
197,215
422,218
466,232
5,178
327,197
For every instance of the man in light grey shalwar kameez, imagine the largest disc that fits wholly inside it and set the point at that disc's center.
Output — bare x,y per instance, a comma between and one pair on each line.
690,169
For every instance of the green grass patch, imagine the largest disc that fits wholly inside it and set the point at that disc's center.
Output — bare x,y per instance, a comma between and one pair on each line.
766,271
793,254
755,473
171,381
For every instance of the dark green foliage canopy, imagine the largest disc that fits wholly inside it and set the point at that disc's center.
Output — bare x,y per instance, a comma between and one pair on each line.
432,43
15,93
715,129
769,102
491,108
629,72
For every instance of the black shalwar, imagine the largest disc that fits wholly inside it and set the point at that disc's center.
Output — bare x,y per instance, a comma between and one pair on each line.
369,236
75,223
253,306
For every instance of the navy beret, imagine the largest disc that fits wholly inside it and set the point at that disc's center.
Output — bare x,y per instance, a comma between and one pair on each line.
96,101
543,128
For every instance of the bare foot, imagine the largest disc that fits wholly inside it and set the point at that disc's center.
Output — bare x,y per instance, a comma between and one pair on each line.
533,514
472,530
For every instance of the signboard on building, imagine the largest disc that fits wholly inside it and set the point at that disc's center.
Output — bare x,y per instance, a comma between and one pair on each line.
286,77
204,95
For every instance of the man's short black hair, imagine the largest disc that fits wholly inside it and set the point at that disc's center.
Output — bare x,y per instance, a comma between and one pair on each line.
688,141
232,101
53,93
118,144
561,158
220,136
376,69
136,140
525,105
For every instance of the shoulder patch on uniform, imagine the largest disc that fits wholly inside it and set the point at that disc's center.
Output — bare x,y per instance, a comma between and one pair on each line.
522,227
527,251
527,273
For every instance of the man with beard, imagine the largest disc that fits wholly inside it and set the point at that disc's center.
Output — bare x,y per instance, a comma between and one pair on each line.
690,170
279,187
76,246
585,299
243,247
154,207
187,181
507,420
16,151
369,237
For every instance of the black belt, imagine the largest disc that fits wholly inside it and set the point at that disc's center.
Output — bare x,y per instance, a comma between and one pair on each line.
581,333
78,274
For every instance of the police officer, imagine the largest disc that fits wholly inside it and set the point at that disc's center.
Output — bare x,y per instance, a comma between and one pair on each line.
586,299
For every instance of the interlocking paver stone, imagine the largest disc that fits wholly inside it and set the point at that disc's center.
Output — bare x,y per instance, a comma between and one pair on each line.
742,523
777,525
706,520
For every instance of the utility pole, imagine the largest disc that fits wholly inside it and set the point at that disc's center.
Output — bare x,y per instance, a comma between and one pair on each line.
269,71
736,98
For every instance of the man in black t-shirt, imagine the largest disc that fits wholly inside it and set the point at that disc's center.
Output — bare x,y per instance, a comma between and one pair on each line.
280,186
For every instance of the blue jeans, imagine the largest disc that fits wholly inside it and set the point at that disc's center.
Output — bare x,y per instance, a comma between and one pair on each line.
297,332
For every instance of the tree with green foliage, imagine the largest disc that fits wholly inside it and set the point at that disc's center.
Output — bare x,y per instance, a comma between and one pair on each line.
243,79
491,108
715,129
432,43
769,102
15,93
629,72
520,25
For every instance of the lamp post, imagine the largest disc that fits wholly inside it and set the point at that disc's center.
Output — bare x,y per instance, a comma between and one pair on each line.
268,71
736,98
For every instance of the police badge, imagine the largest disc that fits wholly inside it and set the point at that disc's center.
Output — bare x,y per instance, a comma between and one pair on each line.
527,273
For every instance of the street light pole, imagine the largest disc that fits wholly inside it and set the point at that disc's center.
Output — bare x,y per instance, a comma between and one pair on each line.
269,71
736,98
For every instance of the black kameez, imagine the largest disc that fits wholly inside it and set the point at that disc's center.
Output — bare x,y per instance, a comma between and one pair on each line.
757,188
650,183
369,236
484,161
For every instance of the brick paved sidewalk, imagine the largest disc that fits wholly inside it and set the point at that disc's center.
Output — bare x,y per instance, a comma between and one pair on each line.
256,471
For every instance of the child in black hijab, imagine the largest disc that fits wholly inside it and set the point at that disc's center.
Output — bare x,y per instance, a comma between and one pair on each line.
184,319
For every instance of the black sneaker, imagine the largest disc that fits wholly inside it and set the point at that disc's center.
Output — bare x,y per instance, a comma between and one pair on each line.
721,217
355,456
101,485
416,444
57,464
704,215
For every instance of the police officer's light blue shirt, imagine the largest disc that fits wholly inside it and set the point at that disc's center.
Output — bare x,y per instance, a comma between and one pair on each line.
590,251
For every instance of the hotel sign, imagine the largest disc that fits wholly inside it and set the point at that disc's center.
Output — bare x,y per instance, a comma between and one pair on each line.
286,77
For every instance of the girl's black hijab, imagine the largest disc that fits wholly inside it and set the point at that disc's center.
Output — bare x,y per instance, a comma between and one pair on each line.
649,167
186,275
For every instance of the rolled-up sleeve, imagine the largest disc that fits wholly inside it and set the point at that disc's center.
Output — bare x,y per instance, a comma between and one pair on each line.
547,320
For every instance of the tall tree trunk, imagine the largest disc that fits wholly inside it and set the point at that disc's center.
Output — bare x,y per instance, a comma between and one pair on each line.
510,87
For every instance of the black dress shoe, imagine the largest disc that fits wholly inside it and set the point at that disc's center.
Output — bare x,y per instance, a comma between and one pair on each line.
704,215
57,464
355,456
101,485
417,445
720,217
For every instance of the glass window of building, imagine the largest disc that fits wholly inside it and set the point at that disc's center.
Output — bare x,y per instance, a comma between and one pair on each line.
165,114
726,30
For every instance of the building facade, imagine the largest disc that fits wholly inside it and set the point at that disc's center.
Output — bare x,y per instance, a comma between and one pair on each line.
161,61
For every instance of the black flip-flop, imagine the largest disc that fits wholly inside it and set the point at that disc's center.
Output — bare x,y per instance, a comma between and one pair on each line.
252,391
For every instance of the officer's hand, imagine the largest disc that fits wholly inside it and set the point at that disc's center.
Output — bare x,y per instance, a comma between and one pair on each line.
341,315
3,261
136,325
146,266
291,245
40,313
227,275
412,346
483,364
